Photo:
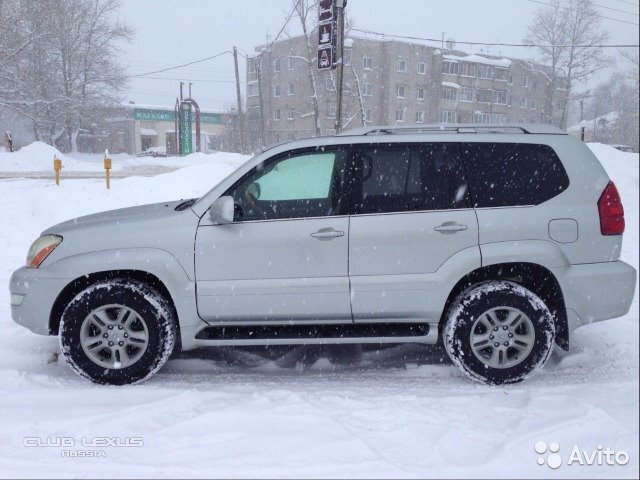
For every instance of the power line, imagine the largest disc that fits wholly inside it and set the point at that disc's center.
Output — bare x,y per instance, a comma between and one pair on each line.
628,3
615,9
289,17
204,80
439,41
597,14
179,66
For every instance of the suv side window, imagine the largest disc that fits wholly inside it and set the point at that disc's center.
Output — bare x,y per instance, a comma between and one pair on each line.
513,174
294,185
404,178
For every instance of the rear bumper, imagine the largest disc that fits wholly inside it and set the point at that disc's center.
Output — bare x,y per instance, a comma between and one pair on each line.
36,295
597,291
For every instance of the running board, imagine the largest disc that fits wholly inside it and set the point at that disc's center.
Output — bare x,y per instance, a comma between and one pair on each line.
317,334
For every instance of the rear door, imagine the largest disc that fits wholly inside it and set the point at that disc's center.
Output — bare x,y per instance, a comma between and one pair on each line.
410,213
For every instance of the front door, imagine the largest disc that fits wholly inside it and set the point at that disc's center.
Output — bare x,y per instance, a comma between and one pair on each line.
285,256
411,213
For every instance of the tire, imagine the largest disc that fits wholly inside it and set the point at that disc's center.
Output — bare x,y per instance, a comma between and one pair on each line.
494,317
117,332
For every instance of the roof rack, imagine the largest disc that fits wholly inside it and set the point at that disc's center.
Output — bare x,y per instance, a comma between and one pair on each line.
530,128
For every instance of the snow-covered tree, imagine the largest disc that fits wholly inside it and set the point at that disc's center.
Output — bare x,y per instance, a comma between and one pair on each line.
62,67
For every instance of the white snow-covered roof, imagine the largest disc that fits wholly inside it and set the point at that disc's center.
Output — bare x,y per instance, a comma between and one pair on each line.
166,107
148,132
450,84
474,58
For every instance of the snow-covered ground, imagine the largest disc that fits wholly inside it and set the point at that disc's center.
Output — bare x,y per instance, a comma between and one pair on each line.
38,157
405,412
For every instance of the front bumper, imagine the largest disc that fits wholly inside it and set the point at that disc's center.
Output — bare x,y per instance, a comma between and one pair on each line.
39,294
597,291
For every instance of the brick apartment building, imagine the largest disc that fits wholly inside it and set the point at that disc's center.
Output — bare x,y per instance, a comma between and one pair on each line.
394,82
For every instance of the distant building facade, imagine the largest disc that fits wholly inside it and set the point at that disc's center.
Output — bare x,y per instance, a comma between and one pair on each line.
394,82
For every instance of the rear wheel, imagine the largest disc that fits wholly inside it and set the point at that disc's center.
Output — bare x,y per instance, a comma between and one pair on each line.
117,332
499,332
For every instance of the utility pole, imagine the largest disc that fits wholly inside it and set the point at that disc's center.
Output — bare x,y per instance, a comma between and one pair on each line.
240,116
261,100
340,4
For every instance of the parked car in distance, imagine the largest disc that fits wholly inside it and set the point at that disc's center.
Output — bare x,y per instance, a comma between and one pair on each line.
624,148
498,241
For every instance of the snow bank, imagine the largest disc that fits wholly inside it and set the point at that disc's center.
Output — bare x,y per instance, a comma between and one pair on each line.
38,157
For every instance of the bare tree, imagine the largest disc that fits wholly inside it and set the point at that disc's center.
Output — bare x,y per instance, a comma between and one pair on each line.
547,30
306,11
568,33
65,68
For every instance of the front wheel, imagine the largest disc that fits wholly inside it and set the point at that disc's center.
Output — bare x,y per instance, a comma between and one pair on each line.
498,332
117,332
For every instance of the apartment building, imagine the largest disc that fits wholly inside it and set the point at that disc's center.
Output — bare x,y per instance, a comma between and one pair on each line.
392,82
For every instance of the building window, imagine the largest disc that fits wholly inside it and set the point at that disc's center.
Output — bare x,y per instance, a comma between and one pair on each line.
367,63
276,114
252,89
419,117
347,56
448,116
400,91
465,94
277,66
253,66
367,90
328,83
290,114
422,68
421,93
400,116
498,118
523,102
402,65
502,74
467,69
524,81
481,117
367,115
521,120
450,68
292,63
483,96
276,90
533,103
449,93
291,88
500,97
534,84
485,71
331,110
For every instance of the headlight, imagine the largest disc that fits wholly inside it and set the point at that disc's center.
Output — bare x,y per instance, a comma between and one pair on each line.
41,248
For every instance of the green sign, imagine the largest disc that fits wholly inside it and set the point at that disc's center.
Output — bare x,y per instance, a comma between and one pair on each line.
186,119
156,115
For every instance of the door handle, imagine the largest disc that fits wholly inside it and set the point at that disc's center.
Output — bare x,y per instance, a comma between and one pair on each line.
327,234
450,227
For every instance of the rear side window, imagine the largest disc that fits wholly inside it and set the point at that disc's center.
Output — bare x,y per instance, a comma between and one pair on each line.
403,178
513,174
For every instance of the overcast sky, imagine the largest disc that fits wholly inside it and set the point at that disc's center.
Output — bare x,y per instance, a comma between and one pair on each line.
172,32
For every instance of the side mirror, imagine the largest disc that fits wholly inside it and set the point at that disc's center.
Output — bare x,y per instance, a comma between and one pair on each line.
221,212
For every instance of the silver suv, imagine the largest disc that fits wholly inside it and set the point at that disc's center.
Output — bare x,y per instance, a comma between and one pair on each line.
496,241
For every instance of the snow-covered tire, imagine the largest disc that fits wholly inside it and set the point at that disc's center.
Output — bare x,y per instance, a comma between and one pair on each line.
485,313
113,313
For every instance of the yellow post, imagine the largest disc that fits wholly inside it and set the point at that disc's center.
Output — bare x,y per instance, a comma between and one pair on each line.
107,168
57,166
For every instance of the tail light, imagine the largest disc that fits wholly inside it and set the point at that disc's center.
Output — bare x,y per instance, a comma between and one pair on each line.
611,211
